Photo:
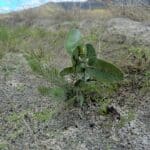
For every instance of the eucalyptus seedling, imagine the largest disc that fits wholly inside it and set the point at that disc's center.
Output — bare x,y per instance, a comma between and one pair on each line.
86,67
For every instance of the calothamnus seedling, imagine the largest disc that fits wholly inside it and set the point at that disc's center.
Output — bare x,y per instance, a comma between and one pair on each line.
86,67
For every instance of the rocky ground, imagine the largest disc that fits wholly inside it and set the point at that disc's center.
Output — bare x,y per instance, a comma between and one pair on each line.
29,121
127,31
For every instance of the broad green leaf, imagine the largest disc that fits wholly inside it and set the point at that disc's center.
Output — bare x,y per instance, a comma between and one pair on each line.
73,40
90,51
67,71
104,71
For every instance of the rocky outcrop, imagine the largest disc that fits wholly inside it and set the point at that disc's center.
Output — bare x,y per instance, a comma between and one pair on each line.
123,30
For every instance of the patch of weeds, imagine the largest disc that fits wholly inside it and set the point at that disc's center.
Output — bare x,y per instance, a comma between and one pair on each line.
4,34
3,146
35,64
36,61
107,89
44,91
50,74
140,54
15,120
20,32
14,39
99,92
44,115
15,134
57,39
125,119
1,53
39,32
55,92
8,39
146,82
4,38
103,106
94,35
16,117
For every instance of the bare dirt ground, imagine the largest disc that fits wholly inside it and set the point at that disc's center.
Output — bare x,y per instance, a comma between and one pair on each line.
29,121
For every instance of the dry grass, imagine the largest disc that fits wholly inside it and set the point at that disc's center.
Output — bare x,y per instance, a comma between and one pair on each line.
96,14
79,14
137,13
27,16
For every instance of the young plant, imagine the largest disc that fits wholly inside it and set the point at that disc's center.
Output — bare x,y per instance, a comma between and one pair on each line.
86,67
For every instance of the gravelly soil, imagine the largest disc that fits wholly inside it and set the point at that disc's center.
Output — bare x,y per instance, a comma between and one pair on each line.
69,128
22,107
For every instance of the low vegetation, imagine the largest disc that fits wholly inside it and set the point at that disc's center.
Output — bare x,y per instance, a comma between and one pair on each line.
45,104
86,67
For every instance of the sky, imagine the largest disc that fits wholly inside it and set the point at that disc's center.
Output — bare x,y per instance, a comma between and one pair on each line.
14,5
